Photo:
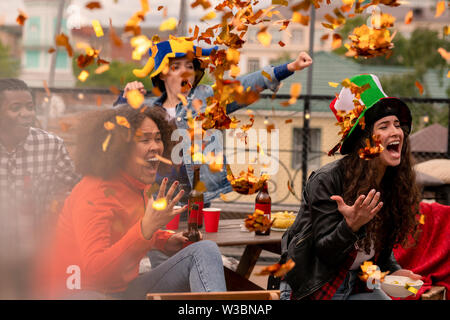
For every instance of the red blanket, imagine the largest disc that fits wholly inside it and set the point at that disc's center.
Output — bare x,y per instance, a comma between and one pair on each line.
430,257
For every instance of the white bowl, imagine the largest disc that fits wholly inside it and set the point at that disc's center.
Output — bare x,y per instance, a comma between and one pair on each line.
396,286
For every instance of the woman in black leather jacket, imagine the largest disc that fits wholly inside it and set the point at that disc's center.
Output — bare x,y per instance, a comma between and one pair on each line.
357,208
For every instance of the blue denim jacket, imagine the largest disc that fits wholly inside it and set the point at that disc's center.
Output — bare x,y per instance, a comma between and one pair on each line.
216,183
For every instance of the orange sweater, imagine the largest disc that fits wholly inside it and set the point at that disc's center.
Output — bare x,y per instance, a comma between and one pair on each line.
99,230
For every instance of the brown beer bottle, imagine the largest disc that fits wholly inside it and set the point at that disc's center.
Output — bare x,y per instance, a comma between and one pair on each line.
195,208
263,202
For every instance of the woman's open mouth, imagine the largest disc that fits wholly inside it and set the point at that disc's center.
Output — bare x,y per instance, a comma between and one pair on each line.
185,86
394,148
152,163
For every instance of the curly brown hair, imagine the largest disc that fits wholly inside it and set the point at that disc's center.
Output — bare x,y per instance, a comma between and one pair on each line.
396,223
91,159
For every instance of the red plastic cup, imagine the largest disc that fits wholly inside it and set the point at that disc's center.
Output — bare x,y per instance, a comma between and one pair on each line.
173,224
211,216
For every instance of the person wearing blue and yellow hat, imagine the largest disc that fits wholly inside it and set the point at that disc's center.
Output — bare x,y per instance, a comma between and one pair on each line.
176,64
359,207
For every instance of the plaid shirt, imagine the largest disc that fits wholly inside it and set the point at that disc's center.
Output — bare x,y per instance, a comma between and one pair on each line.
32,177
327,291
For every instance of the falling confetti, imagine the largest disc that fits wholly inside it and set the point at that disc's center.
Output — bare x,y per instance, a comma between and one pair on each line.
277,270
160,204
21,18
97,28
83,76
440,8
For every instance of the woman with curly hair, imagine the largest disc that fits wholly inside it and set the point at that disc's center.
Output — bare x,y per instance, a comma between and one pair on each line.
357,208
109,222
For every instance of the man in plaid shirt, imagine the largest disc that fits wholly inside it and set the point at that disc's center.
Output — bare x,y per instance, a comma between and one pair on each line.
35,173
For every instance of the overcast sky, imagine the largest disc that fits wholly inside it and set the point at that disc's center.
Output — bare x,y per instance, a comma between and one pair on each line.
119,11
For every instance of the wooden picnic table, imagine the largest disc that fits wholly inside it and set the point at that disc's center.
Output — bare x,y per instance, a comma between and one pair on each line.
231,234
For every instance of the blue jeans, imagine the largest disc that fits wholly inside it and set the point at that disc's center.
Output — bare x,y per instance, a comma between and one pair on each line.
196,268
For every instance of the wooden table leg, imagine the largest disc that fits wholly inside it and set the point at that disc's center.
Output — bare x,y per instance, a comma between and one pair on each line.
248,260
236,282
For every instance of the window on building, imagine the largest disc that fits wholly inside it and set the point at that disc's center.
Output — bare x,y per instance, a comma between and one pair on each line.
314,152
62,60
252,64
33,31
32,59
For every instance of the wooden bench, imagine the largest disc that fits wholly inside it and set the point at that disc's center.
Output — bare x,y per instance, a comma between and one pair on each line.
228,295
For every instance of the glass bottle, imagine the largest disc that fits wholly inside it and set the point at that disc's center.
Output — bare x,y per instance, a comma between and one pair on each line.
263,202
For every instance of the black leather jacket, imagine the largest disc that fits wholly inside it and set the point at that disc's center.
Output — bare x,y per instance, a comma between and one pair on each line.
320,240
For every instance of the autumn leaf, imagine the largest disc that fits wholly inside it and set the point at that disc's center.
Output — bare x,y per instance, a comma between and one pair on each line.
337,41
106,142
113,35
333,84
21,18
295,90
409,17
122,121
109,125
97,28
168,24
277,270
299,18
209,16
160,204
265,74
264,38
134,98
444,54
440,8
62,40
419,86
93,5
83,76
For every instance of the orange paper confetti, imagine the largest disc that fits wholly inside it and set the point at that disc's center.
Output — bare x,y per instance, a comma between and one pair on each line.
134,98
97,28
83,76
277,270
419,86
440,8
106,142
159,204
409,17
122,121
21,18
168,24
93,5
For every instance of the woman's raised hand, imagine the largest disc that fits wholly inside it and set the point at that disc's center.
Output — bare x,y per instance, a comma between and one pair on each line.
155,218
135,85
303,61
362,211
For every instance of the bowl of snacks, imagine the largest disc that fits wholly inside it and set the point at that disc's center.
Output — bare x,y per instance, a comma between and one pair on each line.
282,220
400,287
246,183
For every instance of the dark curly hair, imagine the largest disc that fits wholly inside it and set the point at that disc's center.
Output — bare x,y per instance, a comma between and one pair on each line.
91,159
396,223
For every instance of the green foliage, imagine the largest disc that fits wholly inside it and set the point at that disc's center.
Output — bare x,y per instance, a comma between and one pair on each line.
9,66
118,75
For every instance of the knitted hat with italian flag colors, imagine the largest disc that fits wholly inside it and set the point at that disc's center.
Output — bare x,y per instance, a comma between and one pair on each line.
375,104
